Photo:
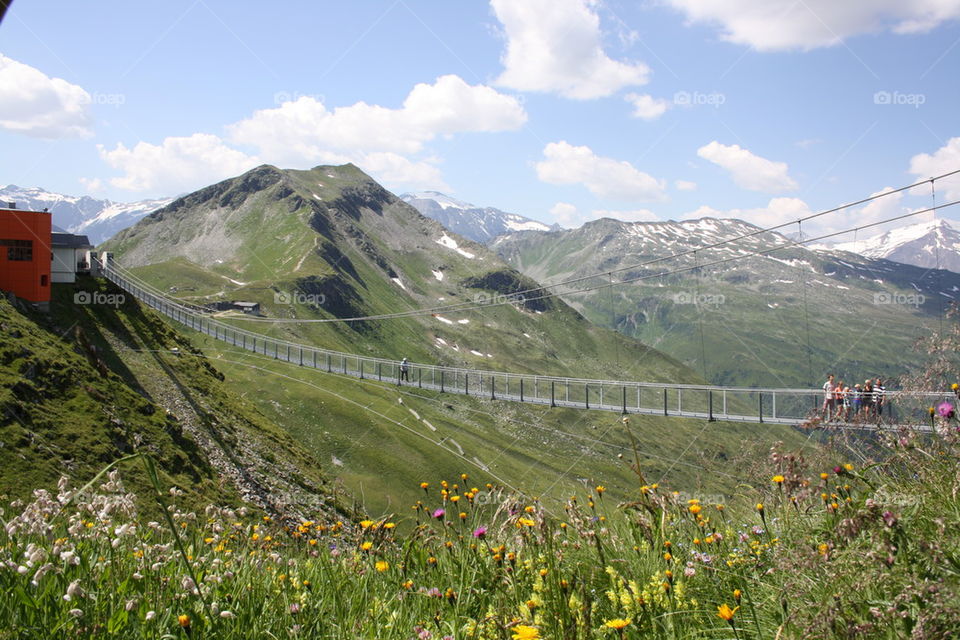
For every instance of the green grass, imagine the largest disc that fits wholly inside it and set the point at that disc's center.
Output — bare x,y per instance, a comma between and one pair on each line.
874,558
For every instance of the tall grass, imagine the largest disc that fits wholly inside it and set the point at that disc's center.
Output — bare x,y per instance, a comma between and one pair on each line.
826,551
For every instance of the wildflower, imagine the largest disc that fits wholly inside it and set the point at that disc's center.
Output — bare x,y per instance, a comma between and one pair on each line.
528,509
946,410
480,533
760,508
617,623
227,614
463,515
600,490
889,519
366,546
525,632
777,479
424,486
438,514
382,565
726,613
525,522
824,476
183,620
955,386
294,608
408,585
366,524
667,556
389,525
464,477
431,561
848,467
695,509
737,594
151,615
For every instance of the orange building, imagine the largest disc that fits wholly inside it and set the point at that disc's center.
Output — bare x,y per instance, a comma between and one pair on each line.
25,253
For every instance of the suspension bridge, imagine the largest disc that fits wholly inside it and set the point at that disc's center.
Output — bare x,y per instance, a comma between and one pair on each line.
773,406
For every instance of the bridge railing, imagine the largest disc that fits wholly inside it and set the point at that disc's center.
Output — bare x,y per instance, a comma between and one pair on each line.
775,406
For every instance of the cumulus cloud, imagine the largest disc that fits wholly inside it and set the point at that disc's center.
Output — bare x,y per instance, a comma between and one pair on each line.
636,215
177,164
304,132
34,104
306,129
748,170
777,25
777,211
646,106
556,46
566,215
564,163
943,160
685,185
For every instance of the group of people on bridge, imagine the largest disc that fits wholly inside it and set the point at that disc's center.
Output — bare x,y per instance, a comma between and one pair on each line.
843,403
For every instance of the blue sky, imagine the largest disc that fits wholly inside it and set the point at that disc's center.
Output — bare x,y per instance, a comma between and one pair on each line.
562,110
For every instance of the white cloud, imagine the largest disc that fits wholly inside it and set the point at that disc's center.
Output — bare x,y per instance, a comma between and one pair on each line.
685,185
637,215
303,133
646,106
777,25
777,211
748,170
36,105
556,46
943,160
564,163
176,165
304,129
566,215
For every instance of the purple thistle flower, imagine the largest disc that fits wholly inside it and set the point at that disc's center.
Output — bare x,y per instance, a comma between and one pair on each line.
946,410
438,514
480,532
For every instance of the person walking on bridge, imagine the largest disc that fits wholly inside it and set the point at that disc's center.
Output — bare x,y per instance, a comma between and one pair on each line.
404,370
828,402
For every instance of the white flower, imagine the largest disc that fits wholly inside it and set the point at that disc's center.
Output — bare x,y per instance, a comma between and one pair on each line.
227,614
76,613
151,615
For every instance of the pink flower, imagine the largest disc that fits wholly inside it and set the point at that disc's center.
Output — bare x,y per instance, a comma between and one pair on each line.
946,410
480,532
438,514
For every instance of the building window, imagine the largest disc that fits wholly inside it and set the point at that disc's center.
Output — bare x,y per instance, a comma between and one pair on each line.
43,280
18,250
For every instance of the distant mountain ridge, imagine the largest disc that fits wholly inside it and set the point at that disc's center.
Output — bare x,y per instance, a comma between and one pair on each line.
97,219
933,244
740,316
480,224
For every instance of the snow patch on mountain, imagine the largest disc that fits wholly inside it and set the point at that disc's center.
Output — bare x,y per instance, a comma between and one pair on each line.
480,224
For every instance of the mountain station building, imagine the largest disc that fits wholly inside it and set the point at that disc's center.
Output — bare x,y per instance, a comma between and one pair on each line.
25,253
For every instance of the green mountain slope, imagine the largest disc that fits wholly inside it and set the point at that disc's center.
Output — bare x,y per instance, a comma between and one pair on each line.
94,382
781,319
330,243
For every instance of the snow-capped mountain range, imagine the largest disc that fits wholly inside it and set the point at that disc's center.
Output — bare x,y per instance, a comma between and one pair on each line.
931,244
97,219
480,224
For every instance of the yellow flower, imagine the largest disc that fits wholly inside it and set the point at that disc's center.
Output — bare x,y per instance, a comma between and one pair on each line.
695,509
737,594
525,632
955,386
601,489
760,507
382,565
408,585
848,467
526,522
778,479
824,476
617,623
366,546
725,612
424,485
389,525
184,620
365,524
528,509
